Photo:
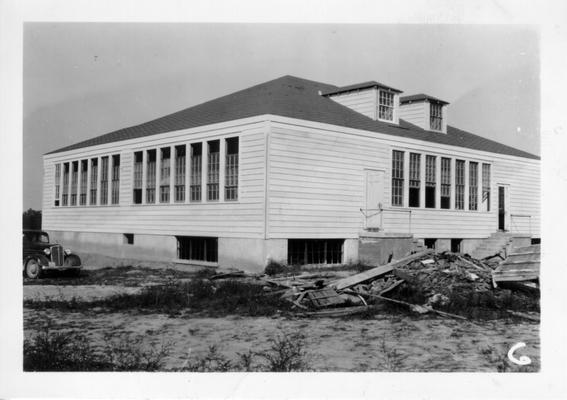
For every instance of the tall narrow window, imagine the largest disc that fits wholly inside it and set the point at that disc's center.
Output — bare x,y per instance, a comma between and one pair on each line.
104,180
430,181
83,190
116,179
231,175
138,177
196,162
94,180
74,180
165,173
397,178
66,184
486,186
460,185
386,106
57,184
179,174
473,186
151,177
414,179
436,117
445,183
213,170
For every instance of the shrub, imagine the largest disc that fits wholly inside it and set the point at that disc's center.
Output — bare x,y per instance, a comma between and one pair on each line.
276,268
72,351
286,353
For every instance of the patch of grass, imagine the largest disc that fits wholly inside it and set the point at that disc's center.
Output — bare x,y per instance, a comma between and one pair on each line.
276,268
393,360
196,296
72,351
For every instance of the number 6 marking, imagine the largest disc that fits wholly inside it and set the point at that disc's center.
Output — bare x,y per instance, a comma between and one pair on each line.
523,360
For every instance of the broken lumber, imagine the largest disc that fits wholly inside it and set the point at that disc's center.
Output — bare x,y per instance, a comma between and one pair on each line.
336,312
523,315
377,272
418,308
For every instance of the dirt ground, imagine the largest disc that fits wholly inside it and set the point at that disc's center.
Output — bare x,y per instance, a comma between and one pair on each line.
418,343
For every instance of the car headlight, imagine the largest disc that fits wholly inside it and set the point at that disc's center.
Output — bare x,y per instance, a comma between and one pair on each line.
47,252
67,251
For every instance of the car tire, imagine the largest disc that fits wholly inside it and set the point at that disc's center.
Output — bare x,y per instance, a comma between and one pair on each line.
72,261
33,269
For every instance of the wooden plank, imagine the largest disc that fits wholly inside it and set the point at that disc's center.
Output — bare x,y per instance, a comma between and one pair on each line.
377,272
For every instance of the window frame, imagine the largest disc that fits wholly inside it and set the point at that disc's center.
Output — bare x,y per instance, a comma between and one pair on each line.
232,161
435,116
414,184
460,180
397,184
445,184
180,173
430,181
213,170
473,189
386,106
486,185
57,188
196,172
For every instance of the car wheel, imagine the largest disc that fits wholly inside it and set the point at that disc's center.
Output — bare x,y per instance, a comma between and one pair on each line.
33,270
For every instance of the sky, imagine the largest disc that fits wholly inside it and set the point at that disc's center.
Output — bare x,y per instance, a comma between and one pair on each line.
82,80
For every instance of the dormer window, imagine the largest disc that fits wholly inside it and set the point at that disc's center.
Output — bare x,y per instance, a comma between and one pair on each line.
436,117
386,106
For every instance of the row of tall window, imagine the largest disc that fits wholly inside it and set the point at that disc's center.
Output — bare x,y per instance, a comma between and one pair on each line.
173,160
415,184
75,186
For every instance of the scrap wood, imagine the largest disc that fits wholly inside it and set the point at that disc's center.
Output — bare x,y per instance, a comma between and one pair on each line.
378,271
324,298
395,285
418,308
226,275
463,259
524,315
336,312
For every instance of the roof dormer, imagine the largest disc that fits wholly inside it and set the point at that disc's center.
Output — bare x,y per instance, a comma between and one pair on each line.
425,111
373,99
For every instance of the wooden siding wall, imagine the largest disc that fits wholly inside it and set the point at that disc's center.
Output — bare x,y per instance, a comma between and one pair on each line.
362,101
316,188
416,113
243,218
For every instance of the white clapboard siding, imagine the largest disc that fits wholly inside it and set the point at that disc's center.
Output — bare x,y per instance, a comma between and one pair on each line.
242,218
362,101
415,113
316,187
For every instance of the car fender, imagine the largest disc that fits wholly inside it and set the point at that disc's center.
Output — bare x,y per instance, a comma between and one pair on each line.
41,259
72,260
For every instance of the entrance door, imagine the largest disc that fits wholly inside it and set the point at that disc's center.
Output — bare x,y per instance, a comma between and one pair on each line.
501,208
374,198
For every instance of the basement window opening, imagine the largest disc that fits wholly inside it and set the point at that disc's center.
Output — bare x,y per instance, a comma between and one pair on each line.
195,248
128,238
314,251
414,179
430,243
456,245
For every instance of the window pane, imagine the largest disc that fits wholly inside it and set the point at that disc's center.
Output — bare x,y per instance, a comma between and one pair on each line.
397,177
231,173
213,170
196,162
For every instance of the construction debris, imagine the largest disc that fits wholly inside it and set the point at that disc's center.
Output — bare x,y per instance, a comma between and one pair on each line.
437,277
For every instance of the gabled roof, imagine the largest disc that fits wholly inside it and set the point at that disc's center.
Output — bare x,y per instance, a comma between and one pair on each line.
360,86
421,97
298,98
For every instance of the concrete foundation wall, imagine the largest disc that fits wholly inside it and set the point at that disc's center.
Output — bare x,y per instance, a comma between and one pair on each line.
241,253
350,251
377,250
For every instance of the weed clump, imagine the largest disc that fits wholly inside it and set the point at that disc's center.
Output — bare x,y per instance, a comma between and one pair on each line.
72,351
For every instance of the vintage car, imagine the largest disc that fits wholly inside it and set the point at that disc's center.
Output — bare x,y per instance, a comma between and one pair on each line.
40,255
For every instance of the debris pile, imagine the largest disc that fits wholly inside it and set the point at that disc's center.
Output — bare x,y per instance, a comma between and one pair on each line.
436,275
